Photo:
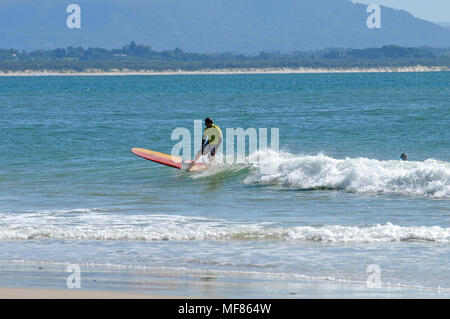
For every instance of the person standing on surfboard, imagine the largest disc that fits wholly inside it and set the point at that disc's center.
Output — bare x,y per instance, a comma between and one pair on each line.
212,138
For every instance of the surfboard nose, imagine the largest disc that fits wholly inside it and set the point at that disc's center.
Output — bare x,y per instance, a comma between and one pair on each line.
158,157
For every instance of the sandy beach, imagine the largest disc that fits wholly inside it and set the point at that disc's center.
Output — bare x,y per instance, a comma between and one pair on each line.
116,72
34,293
32,280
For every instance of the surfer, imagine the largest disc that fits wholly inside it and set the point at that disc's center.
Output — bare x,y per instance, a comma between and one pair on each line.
211,140
404,157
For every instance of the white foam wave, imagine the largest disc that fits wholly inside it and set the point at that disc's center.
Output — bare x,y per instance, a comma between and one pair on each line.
428,178
103,226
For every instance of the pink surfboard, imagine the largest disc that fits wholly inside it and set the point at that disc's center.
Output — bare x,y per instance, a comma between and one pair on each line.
166,159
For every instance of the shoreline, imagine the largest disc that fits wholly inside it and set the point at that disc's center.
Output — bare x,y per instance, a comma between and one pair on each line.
48,280
38,293
303,70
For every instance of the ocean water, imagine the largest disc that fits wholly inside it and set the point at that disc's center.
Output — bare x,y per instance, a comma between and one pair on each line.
331,201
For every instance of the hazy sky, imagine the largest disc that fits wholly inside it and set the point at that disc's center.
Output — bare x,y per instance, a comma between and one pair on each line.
431,10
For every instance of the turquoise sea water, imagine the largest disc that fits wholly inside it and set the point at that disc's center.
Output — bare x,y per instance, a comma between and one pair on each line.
332,201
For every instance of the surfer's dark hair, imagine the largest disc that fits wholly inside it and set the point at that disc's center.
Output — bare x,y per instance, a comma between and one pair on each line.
208,120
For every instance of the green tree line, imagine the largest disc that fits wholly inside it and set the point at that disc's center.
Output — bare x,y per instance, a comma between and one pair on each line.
141,57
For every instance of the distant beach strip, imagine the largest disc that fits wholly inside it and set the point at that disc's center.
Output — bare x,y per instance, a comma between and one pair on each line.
99,72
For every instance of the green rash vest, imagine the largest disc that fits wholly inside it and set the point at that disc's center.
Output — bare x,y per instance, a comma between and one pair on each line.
213,132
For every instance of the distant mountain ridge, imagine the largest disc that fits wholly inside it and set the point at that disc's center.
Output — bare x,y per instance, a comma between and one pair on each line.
206,26
446,25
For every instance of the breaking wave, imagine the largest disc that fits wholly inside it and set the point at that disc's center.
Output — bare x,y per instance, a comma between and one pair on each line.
430,178
103,226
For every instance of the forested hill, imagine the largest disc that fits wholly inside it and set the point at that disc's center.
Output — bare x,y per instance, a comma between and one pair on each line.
141,57
211,26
